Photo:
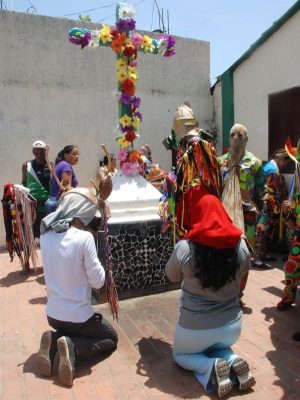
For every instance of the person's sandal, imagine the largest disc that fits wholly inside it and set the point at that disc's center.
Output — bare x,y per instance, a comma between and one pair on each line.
241,369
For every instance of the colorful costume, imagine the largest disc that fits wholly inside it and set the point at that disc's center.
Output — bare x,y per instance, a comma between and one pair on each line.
251,186
19,211
9,216
274,194
292,266
196,166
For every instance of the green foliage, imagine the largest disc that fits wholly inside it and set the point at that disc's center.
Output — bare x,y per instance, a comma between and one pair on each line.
87,18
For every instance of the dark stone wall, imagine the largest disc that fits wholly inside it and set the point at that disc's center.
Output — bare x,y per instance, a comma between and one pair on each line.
138,257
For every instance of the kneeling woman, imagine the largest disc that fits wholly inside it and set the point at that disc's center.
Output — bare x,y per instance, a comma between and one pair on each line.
210,262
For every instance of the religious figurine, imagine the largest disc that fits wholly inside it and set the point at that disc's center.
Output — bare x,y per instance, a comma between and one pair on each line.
151,171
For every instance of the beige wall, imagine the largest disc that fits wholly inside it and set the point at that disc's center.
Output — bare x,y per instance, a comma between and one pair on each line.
273,67
217,120
51,90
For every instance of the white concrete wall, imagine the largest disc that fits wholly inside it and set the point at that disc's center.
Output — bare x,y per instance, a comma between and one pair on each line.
51,90
217,120
273,67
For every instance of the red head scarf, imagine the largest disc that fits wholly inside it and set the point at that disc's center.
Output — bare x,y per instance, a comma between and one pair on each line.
206,220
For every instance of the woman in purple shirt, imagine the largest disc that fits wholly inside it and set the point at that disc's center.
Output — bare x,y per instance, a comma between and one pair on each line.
64,162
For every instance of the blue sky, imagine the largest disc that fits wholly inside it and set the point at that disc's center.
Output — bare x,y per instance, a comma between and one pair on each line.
230,26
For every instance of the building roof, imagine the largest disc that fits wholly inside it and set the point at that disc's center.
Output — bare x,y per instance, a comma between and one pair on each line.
265,36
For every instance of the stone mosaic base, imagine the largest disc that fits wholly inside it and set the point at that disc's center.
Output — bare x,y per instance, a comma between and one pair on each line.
139,255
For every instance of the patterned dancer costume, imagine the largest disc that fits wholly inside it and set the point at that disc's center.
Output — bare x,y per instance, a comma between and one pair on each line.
292,266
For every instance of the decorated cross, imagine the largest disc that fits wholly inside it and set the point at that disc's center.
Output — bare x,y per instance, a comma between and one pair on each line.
125,43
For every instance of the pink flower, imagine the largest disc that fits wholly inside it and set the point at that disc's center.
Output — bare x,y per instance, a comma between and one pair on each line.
133,63
122,155
136,39
126,168
130,168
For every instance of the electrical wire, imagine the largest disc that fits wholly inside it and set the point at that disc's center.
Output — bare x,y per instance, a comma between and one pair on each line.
3,4
84,11
159,16
32,8
152,15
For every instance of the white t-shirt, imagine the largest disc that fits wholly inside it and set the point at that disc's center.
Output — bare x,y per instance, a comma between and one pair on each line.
71,268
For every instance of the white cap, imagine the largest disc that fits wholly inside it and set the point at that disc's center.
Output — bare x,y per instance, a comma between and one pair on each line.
39,144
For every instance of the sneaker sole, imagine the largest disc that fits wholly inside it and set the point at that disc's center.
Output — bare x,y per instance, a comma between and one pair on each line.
222,370
65,372
43,363
242,371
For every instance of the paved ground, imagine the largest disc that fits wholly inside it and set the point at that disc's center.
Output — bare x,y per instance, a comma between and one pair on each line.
142,367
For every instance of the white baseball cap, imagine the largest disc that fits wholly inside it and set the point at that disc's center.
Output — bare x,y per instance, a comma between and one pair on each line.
39,144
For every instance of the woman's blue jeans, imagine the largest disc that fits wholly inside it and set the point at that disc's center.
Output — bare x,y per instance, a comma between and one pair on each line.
197,350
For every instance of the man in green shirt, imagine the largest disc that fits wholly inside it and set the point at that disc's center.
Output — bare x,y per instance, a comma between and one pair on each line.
36,176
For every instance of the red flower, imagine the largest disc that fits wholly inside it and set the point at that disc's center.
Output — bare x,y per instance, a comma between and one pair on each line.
118,40
128,87
129,51
116,45
130,136
114,33
122,38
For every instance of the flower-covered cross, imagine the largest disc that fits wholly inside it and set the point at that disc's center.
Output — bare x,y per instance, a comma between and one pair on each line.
126,44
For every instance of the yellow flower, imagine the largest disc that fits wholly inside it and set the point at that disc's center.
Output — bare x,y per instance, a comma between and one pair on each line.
121,63
121,75
125,120
122,141
135,122
132,73
147,45
146,40
105,35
